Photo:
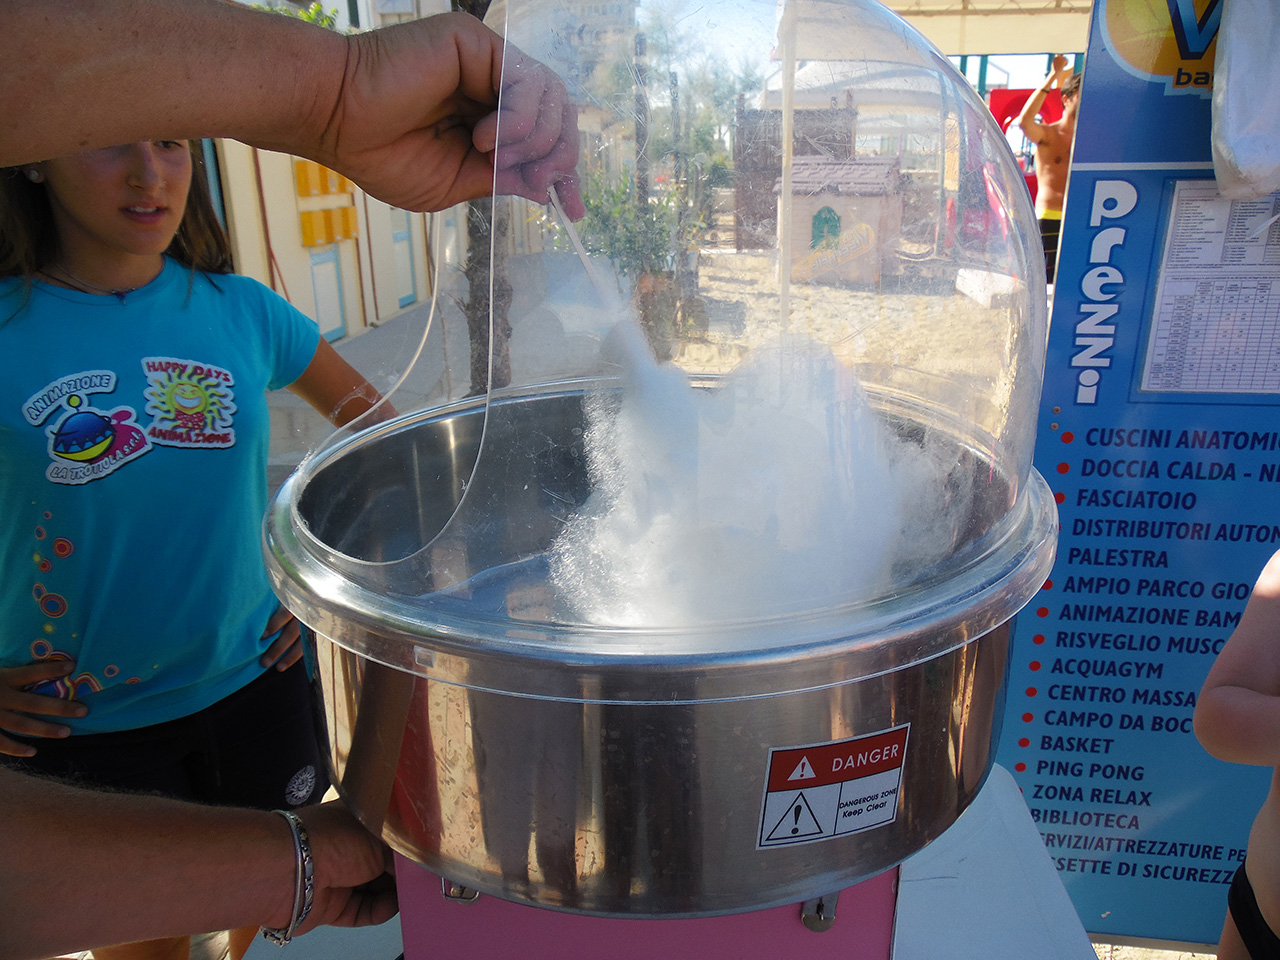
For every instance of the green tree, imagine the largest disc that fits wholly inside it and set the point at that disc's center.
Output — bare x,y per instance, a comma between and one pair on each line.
680,101
690,99
635,239
315,13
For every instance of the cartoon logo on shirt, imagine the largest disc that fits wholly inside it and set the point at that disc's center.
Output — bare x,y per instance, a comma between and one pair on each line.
85,443
191,403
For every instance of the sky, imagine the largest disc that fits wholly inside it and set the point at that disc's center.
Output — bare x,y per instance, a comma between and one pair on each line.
1023,71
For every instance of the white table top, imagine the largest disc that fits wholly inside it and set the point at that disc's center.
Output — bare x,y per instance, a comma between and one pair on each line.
987,890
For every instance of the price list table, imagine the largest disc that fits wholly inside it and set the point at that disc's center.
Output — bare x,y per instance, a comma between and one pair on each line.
1216,319
1216,335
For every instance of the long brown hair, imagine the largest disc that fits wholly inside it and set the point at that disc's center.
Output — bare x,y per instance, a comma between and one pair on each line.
29,238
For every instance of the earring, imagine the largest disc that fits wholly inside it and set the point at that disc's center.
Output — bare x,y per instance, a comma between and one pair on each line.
34,175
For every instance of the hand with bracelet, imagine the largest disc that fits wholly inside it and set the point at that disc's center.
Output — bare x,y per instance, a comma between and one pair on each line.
1057,76
149,867
341,874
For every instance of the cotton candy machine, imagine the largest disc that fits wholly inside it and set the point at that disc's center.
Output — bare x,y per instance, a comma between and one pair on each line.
699,602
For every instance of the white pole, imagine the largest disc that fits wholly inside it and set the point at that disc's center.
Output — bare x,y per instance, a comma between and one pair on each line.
787,38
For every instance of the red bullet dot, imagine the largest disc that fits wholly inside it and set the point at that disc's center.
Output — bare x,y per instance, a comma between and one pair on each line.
1028,717
1060,497
1032,691
1035,664
1048,585
1068,436
1038,639
1042,611
1064,468
1020,767
1024,742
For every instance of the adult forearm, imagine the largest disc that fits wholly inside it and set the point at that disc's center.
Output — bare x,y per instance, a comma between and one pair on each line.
1239,725
83,73
80,869
1026,120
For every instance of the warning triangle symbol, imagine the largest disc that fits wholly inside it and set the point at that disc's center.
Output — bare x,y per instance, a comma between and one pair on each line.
798,823
803,770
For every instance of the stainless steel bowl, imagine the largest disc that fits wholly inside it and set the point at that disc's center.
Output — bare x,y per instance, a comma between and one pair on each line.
608,771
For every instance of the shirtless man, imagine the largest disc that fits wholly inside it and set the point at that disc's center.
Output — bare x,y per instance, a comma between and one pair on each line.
1238,719
1053,153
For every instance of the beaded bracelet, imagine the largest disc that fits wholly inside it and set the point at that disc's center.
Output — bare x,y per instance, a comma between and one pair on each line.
303,884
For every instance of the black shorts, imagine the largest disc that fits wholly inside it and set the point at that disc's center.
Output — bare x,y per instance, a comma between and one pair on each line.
1259,939
257,748
1050,230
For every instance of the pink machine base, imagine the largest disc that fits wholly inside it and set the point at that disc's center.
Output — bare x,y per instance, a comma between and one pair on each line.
435,928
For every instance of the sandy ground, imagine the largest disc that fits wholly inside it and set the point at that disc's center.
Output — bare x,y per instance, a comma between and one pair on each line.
1109,951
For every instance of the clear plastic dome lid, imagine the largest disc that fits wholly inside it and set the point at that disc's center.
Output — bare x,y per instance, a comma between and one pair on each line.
785,370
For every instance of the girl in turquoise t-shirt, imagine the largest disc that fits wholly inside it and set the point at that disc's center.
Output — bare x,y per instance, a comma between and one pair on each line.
140,645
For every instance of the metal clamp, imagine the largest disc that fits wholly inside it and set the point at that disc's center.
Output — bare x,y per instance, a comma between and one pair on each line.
820,915
457,892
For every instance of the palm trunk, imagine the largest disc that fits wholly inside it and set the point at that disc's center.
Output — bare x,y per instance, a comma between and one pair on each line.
489,292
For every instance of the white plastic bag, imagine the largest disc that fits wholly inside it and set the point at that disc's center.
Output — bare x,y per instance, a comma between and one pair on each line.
1246,100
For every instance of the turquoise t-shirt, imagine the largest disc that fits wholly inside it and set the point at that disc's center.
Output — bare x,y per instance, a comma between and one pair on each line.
133,452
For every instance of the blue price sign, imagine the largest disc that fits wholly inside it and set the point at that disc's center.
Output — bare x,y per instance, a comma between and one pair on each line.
1160,436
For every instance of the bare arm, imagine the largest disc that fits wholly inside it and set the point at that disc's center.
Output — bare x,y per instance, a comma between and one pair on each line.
1034,130
90,73
338,391
409,112
1237,717
172,868
341,394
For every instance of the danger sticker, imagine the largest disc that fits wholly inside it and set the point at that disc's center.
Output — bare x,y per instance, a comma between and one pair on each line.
826,790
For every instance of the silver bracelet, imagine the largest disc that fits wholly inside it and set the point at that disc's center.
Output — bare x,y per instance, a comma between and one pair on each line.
304,886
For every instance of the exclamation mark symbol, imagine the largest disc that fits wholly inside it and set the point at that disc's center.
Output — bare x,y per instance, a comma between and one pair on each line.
796,813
